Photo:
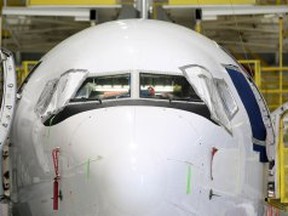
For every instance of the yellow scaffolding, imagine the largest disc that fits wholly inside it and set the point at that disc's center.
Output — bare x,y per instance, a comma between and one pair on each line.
274,85
23,71
271,81
255,67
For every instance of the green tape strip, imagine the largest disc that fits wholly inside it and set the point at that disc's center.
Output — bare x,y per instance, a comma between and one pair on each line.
50,123
51,120
188,180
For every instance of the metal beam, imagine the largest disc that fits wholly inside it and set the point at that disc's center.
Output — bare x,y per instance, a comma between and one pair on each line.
212,11
70,2
80,13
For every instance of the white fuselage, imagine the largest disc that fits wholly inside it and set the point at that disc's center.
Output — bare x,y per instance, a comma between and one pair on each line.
134,160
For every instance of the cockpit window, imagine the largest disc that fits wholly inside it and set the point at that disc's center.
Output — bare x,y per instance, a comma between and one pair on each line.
229,104
214,92
58,92
170,87
126,89
104,87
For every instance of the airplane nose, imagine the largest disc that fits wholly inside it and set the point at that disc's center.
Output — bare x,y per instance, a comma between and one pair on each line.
133,180
136,144
133,184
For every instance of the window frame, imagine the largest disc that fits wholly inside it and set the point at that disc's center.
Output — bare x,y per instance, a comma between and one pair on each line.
205,86
259,116
74,100
51,100
198,100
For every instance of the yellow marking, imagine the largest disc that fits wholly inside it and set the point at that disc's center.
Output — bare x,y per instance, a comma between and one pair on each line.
72,2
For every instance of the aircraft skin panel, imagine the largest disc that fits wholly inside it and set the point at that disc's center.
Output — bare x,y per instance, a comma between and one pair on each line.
120,43
152,163
253,110
134,159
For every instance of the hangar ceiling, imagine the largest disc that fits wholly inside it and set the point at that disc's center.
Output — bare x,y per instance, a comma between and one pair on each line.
38,29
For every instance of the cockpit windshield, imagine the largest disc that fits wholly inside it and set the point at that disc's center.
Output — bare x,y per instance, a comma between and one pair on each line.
104,87
75,91
172,87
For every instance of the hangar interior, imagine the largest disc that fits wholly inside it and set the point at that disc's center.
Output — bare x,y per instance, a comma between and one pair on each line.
254,31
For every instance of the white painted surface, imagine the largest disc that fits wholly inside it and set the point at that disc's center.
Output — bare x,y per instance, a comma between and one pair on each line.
135,160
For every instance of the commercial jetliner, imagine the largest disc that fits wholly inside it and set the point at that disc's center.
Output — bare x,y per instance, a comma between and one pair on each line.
137,118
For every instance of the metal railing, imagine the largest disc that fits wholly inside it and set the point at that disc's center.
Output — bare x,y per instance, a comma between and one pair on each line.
23,70
271,81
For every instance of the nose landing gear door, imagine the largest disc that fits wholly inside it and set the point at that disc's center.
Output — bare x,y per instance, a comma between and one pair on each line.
7,107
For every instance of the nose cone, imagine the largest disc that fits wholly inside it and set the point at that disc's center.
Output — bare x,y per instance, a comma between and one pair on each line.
133,179
133,184
135,144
